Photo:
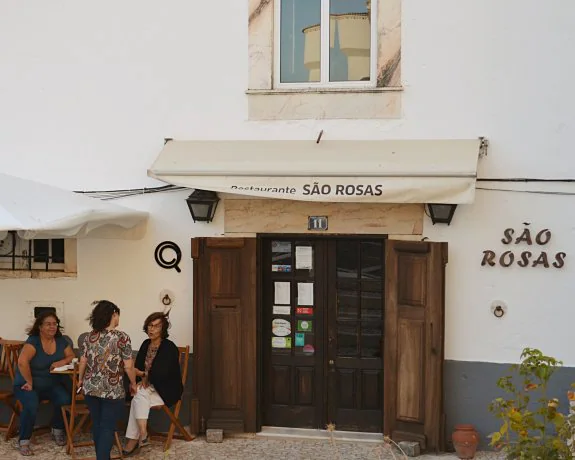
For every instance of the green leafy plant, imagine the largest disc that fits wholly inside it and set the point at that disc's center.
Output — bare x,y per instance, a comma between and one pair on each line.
532,427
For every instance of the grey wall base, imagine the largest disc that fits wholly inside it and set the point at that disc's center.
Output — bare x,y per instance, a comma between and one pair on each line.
469,387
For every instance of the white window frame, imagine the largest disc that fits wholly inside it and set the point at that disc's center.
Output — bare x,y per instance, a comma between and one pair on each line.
324,46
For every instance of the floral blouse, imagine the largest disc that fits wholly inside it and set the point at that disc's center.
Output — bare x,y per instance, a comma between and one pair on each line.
150,356
106,352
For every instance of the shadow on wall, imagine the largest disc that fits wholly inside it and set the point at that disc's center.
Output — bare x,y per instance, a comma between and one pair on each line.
469,387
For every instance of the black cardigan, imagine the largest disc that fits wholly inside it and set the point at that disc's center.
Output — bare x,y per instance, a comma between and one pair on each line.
165,373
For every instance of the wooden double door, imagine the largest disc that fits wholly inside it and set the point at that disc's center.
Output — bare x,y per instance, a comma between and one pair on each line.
303,332
322,335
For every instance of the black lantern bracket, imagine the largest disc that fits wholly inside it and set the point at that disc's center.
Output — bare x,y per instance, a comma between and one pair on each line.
441,213
202,205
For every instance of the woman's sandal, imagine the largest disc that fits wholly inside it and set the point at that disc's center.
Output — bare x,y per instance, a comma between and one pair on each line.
134,451
25,450
145,442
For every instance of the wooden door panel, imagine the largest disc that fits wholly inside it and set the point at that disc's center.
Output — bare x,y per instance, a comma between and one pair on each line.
227,377
355,324
281,378
224,270
410,378
292,378
304,386
371,390
225,361
411,279
413,348
347,388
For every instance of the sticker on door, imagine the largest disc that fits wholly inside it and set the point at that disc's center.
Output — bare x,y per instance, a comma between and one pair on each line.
281,327
281,342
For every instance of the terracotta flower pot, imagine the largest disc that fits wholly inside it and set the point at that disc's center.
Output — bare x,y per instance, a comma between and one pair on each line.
465,441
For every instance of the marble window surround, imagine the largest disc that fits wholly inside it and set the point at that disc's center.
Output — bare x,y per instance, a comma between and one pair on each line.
268,103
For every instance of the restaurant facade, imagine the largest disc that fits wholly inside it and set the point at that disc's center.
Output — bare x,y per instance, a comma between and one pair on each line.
361,221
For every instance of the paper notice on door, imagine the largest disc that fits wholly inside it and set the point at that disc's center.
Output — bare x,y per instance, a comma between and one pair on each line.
281,342
303,258
281,246
282,293
281,310
305,293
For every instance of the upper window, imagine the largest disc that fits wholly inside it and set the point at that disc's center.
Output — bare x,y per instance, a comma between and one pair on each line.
19,254
325,43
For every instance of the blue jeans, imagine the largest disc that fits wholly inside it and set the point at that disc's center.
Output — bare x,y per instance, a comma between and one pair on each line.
105,414
30,400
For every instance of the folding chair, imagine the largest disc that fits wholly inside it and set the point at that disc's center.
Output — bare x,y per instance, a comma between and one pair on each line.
72,426
175,423
8,361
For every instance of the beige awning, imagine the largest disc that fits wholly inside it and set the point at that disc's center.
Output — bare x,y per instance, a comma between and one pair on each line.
390,171
36,210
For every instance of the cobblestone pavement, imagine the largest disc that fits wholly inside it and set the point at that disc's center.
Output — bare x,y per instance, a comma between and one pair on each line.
244,448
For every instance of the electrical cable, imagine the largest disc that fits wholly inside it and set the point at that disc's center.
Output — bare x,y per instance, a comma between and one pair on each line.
124,193
522,179
535,192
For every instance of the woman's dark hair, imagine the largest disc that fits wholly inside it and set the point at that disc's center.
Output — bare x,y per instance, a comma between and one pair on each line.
35,328
101,315
165,317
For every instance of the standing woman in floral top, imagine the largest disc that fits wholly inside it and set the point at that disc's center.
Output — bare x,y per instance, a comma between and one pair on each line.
106,355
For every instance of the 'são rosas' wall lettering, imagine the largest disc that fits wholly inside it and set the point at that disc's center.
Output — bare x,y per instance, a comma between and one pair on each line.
535,256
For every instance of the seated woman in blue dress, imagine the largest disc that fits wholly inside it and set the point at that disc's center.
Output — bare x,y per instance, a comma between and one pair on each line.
44,350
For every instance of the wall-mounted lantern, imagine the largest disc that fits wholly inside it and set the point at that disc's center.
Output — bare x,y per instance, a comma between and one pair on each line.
441,213
202,205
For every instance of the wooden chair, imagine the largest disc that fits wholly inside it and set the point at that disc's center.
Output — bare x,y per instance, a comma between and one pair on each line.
78,408
9,350
15,347
173,416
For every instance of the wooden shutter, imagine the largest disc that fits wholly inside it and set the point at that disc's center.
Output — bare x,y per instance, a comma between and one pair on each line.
414,336
225,360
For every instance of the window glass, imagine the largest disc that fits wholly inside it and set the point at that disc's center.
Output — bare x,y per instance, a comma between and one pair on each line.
300,34
350,37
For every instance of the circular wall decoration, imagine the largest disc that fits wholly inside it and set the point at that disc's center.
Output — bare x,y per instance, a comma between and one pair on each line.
168,264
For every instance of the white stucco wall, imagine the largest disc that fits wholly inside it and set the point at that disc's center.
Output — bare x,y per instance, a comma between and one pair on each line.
89,91
122,271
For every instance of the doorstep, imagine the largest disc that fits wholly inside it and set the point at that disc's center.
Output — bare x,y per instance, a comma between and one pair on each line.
306,433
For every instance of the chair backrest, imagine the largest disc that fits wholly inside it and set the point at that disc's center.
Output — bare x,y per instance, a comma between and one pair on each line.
81,339
9,352
75,395
184,359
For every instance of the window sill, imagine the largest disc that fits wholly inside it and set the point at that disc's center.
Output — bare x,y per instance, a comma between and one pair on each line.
27,274
277,91
324,103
